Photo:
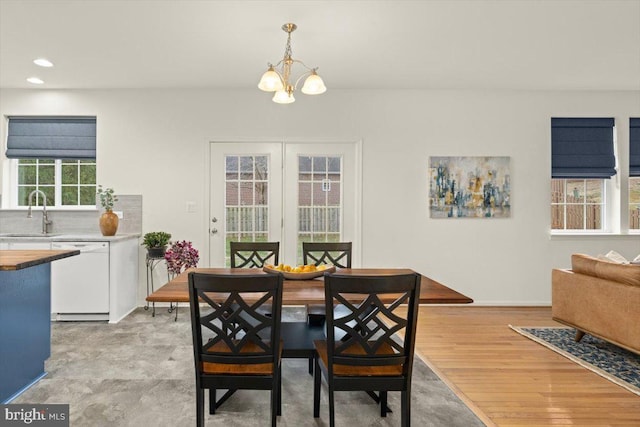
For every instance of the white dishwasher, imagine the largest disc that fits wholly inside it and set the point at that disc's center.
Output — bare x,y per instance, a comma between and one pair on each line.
80,284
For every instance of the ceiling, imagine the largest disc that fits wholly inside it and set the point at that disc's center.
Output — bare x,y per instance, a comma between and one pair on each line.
429,44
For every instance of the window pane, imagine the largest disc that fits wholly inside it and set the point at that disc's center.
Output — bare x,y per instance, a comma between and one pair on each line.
46,174
261,168
594,190
575,191
232,167
261,193
87,174
27,175
575,217
88,195
69,174
246,167
69,195
23,195
557,217
557,191
593,220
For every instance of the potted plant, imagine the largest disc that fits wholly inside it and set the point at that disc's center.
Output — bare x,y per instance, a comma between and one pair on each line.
180,256
156,243
108,220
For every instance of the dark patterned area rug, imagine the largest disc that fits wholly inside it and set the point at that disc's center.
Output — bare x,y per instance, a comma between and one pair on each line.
605,359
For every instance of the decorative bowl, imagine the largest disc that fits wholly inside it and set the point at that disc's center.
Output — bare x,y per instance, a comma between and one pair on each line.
301,276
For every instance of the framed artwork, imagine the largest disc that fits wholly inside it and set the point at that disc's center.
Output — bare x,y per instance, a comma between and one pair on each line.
469,187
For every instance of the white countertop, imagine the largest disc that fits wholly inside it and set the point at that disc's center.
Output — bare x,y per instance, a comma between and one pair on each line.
64,237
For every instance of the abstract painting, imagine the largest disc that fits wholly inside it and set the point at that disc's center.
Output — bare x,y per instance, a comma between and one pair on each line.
469,187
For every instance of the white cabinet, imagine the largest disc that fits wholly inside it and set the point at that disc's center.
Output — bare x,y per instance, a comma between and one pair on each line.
29,245
99,284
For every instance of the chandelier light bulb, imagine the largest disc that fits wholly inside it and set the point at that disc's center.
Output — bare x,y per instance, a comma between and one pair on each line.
313,85
283,97
270,81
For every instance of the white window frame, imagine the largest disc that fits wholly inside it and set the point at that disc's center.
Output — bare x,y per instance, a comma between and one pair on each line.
12,190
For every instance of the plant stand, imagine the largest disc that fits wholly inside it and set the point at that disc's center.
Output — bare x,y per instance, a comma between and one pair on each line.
152,263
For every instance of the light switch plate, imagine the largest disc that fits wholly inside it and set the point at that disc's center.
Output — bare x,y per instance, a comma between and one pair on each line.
191,207
119,213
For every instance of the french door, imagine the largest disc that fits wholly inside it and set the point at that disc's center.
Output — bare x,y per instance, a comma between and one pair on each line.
284,192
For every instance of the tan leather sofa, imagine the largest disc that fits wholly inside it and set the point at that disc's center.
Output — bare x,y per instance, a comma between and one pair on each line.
600,298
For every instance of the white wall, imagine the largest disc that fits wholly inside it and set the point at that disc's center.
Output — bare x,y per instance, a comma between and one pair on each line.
154,143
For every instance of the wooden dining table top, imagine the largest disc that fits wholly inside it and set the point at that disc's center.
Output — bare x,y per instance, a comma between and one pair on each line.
300,292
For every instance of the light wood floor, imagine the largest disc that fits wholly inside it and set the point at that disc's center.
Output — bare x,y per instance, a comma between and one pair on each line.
509,380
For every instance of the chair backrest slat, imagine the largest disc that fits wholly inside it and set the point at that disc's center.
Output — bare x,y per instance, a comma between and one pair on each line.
253,254
335,253
369,326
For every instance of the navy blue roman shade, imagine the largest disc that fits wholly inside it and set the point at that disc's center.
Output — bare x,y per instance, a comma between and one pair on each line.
634,147
38,137
582,148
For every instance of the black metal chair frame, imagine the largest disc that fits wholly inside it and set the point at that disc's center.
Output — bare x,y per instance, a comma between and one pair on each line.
237,333
253,254
370,335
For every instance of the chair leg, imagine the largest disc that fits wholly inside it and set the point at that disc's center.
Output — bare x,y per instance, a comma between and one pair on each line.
316,388
274,402
199,407
212,401
405,403
280,390
332,413
383,404
311,365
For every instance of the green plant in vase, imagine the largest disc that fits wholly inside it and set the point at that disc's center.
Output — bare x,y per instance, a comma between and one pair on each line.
108,220
156,243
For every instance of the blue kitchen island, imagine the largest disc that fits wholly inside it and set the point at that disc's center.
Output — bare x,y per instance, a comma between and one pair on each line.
25,317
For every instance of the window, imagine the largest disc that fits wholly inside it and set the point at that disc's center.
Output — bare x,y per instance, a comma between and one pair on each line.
582,162
634,173
55,155
64,182
577,204
319,200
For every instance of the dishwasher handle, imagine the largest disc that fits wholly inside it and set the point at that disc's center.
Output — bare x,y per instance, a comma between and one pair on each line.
83,247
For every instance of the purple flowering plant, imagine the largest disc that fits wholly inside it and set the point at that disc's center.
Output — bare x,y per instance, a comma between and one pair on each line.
180,256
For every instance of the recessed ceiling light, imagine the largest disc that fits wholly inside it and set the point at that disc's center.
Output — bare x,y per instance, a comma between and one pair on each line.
43,62
35,80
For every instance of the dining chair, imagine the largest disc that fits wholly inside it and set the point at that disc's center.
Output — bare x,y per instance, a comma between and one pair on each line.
364,349
253,254
235,346
334,253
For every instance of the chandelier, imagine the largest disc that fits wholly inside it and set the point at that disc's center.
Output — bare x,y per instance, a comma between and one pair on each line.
278,77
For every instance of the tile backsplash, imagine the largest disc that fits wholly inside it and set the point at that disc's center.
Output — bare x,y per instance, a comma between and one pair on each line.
74,221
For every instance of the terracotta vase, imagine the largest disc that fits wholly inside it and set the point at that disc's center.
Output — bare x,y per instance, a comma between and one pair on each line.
108,223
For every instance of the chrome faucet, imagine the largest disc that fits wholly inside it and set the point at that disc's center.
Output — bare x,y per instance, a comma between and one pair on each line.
45,220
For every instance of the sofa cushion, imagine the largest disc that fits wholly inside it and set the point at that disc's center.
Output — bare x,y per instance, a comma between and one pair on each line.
622,273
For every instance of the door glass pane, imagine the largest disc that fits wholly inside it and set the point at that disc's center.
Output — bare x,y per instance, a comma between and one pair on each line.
246,199
319,200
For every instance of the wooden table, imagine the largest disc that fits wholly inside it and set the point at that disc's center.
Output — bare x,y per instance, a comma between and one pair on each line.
301,292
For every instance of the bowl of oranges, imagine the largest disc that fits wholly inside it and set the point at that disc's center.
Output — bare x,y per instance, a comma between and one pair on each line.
301,272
